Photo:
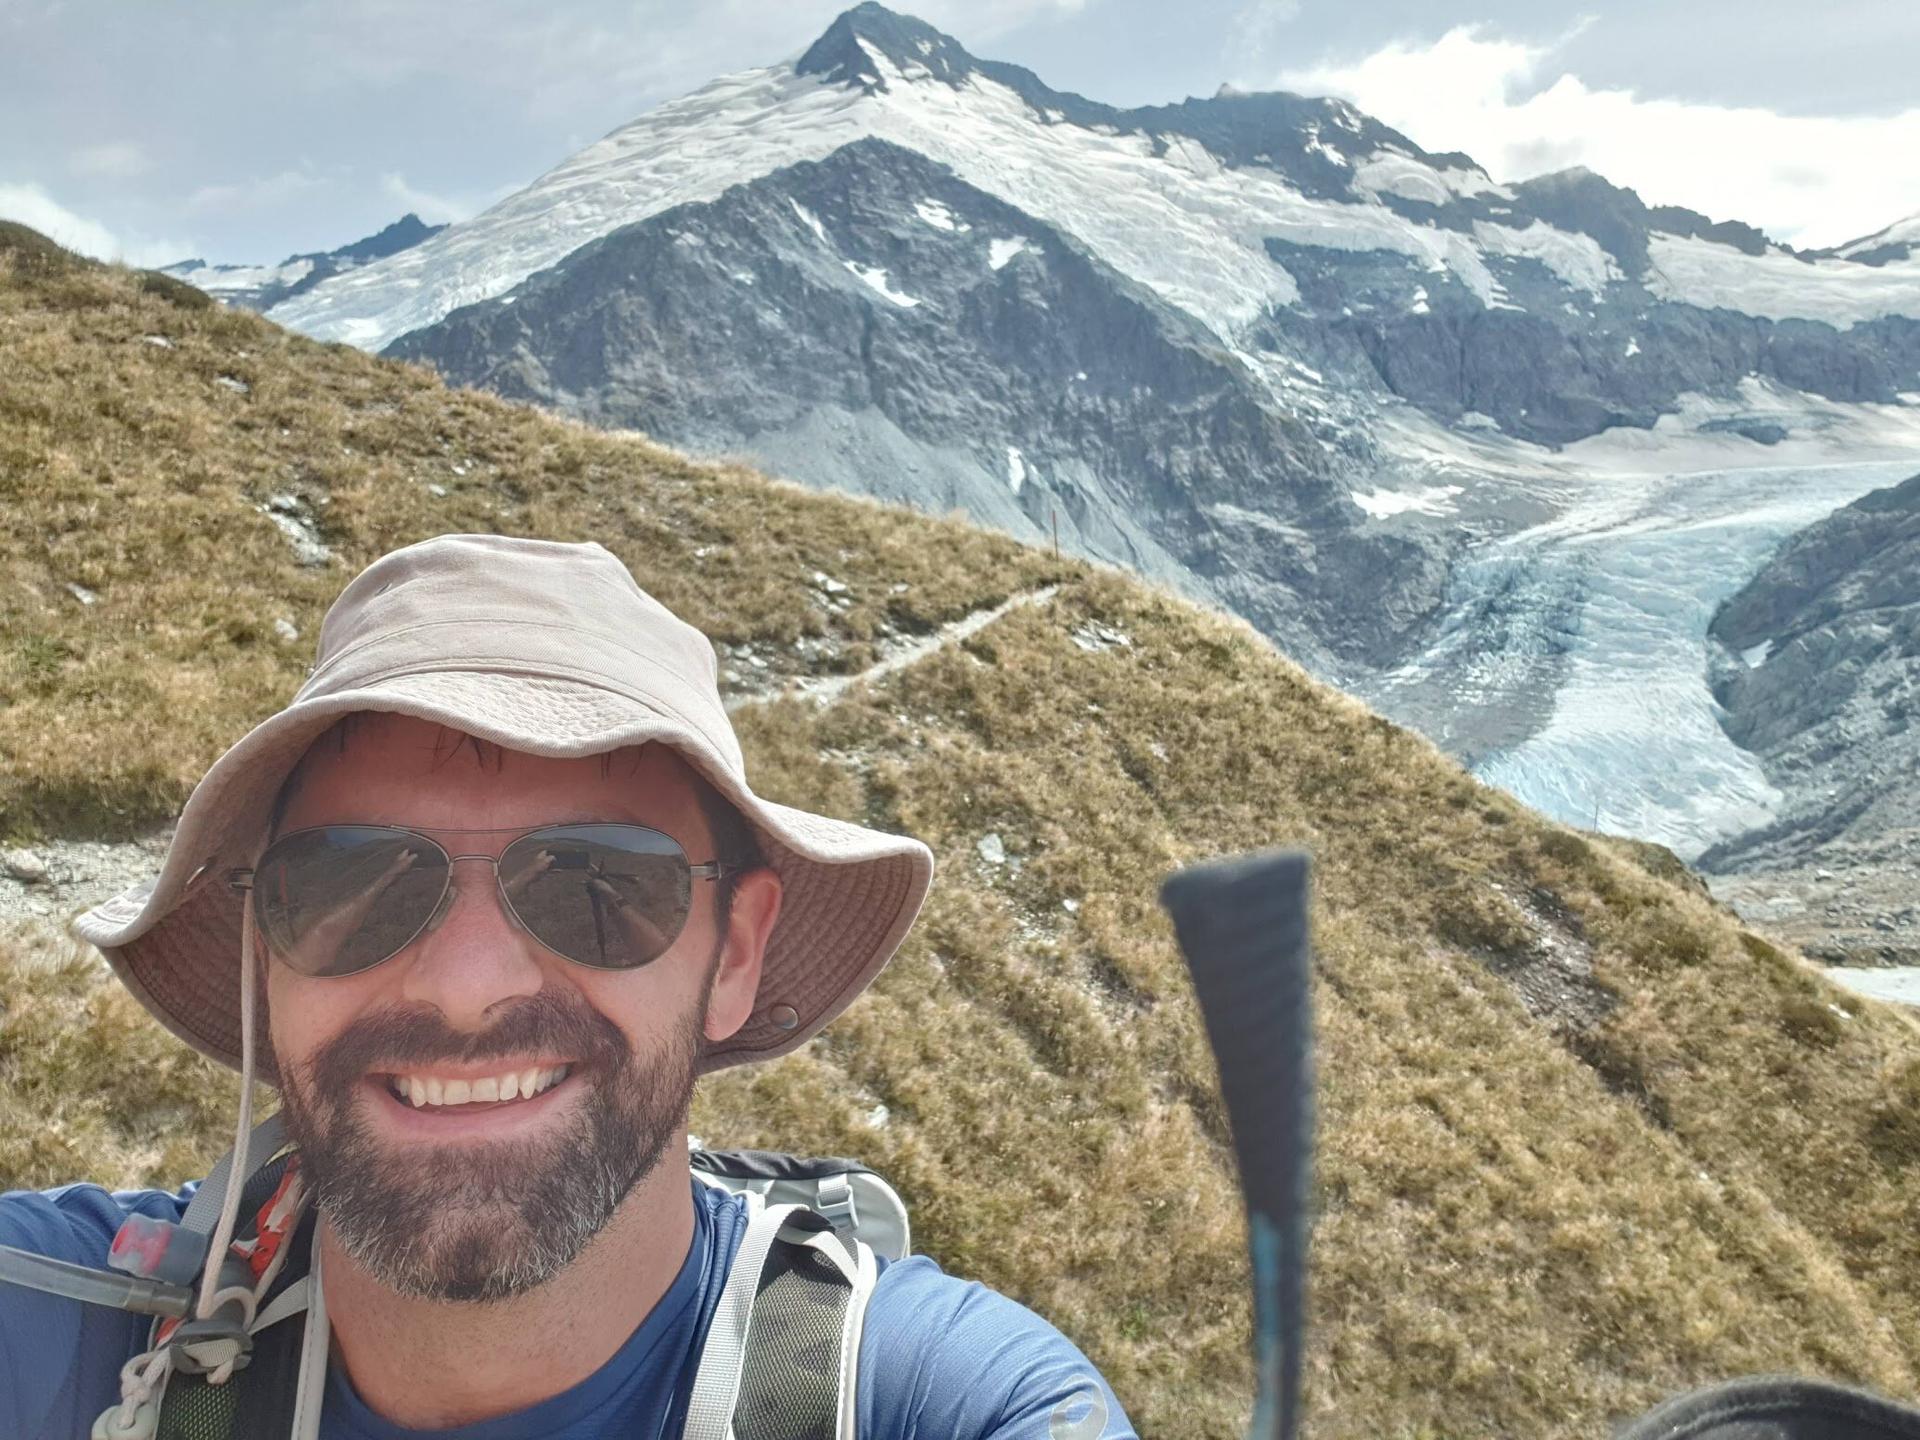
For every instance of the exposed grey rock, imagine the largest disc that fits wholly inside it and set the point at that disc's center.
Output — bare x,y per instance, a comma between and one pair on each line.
78,874
1830,711
991,849
296,521
26,867
1095,636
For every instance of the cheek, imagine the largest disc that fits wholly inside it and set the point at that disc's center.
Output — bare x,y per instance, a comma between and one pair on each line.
304,1014
650,1005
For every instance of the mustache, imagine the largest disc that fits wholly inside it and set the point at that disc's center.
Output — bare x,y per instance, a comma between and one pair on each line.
547,1021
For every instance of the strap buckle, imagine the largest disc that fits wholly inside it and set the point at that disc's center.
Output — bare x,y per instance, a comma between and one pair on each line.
833,1198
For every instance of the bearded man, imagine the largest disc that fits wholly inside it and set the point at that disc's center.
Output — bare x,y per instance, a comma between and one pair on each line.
495,891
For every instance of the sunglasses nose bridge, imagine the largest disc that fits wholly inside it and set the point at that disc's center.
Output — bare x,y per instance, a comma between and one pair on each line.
445,907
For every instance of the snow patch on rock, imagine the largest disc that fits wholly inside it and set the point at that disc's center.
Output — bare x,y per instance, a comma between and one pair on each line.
1000,252
876,279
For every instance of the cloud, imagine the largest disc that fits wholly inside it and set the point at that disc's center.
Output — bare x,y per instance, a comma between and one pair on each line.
121,160
1255,26
1812,180
259,194
433,209
30,205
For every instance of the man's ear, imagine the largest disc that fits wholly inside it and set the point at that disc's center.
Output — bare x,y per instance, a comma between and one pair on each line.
736,981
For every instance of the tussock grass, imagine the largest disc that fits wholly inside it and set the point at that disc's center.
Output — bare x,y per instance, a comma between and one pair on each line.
1530,1223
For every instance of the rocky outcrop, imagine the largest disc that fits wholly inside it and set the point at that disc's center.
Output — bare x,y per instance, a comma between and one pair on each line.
1819,671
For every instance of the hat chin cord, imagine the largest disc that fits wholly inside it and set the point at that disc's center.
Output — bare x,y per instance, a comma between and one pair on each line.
137,1416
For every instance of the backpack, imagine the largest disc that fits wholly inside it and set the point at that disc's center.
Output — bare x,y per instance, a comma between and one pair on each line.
780,1360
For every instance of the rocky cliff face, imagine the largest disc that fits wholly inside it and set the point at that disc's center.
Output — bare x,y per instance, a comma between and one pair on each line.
1819,670
873,323
1584,326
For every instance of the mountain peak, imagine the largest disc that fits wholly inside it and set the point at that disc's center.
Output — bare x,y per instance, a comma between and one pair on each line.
852,47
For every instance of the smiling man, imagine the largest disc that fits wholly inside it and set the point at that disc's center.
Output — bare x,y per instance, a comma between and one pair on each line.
484,901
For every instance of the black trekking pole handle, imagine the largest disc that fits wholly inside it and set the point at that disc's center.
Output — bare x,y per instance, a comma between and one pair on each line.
1242,925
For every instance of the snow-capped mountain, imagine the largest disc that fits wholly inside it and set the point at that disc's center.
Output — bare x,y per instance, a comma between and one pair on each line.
261,287
871,321
1899,242
1232,208
777,265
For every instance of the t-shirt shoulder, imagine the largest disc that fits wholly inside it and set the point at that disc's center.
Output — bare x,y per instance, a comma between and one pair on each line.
949,1358
57,1356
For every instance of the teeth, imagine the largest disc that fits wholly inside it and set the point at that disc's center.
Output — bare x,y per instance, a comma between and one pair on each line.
422,1091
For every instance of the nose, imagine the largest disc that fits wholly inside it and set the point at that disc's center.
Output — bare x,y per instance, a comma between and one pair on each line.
472,958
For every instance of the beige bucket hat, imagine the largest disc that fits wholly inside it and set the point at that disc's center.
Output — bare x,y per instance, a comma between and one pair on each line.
546,648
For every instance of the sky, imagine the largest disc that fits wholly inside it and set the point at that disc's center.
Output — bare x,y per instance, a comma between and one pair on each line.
152,133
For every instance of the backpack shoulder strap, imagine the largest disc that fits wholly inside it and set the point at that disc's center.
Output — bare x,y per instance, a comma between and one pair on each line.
781,1358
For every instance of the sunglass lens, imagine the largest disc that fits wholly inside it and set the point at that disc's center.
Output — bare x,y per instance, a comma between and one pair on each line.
342,898
610,896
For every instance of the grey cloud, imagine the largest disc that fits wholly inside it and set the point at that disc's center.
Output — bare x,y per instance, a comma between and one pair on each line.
117,160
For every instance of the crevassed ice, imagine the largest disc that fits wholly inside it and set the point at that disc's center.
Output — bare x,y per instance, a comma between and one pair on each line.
1780,286
1633,743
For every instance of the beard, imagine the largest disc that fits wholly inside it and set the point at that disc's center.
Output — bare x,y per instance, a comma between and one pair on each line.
486,1221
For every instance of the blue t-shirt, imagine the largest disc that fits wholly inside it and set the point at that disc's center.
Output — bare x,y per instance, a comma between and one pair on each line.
940,1358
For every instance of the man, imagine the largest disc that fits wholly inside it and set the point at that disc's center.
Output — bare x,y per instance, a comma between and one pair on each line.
497,886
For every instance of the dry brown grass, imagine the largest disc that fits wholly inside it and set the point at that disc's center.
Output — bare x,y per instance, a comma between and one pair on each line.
1526,1228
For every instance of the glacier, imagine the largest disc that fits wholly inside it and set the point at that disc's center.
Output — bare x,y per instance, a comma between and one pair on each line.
1613,597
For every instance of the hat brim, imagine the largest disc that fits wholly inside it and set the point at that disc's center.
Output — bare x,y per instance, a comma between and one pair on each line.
849,893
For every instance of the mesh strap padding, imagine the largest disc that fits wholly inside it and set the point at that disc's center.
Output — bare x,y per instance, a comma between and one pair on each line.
257,1402
254,1405
790,1379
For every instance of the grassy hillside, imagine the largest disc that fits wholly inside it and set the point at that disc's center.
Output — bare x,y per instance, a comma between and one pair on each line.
1585,1141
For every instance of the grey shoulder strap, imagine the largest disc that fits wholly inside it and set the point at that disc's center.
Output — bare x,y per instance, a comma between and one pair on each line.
266,1140
781,1359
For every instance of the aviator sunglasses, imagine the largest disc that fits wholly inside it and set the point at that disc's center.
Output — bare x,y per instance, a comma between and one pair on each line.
339,899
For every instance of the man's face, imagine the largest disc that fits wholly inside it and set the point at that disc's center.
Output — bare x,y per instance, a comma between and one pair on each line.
486,1199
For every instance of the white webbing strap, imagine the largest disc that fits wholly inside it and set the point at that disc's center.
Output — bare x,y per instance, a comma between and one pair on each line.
311,1389
865,1273
716,1386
